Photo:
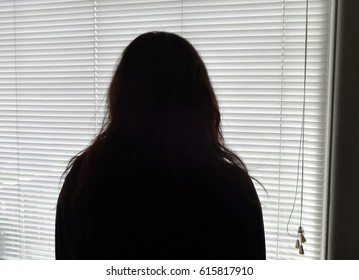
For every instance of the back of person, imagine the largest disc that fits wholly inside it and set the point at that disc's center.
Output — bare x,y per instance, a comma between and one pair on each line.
198,215
158,183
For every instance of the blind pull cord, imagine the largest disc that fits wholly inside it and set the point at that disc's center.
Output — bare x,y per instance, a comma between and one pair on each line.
300,233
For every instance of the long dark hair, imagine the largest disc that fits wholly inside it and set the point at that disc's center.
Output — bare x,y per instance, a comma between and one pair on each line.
163,118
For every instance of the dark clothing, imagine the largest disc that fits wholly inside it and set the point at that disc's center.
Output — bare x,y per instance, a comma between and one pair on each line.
200,215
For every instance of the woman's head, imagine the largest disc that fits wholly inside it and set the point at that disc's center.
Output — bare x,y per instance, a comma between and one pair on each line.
161,95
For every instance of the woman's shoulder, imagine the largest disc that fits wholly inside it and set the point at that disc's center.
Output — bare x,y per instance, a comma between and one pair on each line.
232,173
237,183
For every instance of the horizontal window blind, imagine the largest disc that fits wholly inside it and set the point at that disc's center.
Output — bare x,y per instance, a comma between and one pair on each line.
46,114
56,61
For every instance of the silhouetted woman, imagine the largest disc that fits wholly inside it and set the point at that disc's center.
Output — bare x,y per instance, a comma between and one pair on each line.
158,182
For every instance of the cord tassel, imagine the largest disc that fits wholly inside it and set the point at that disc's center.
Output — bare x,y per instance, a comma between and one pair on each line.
300,240
301,250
